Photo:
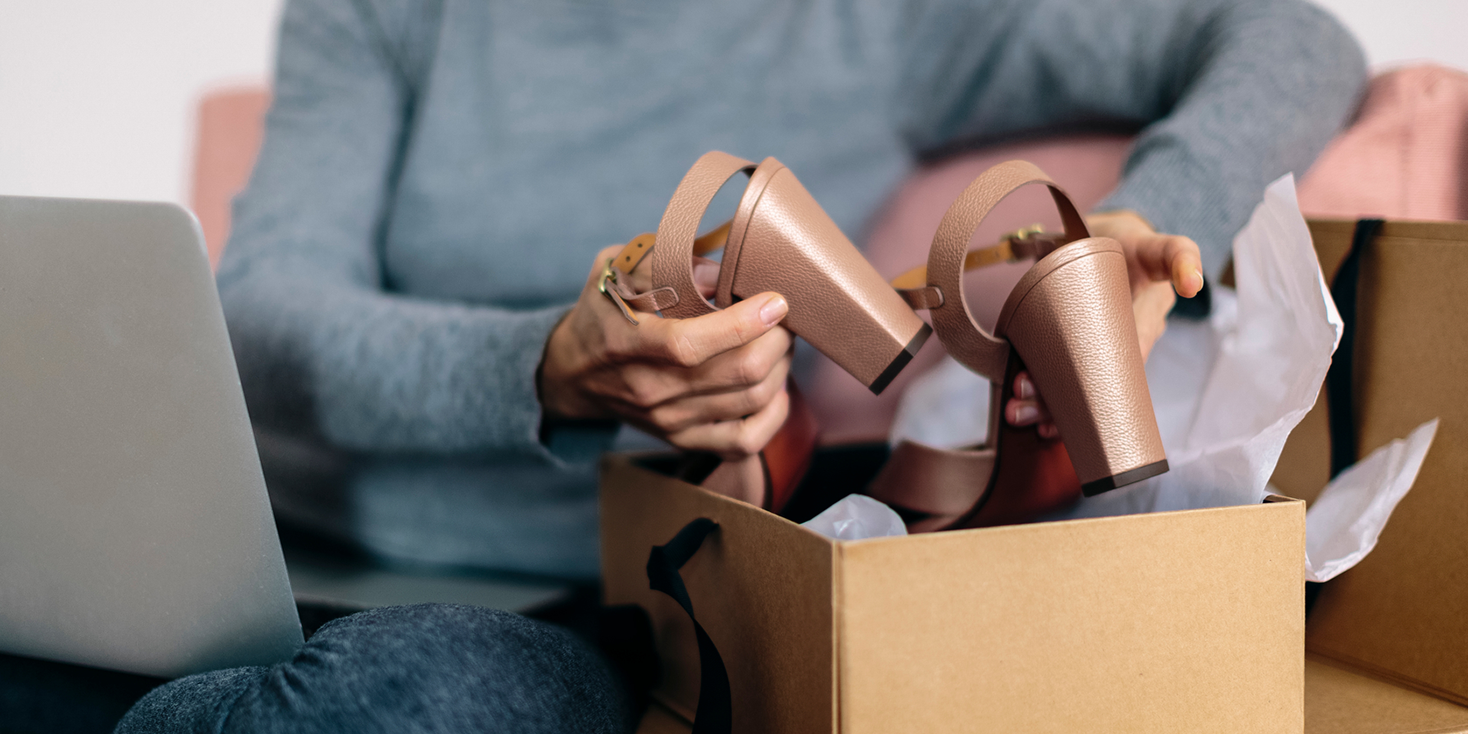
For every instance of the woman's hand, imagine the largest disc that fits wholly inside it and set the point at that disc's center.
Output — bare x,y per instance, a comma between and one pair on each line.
712,383
1158,265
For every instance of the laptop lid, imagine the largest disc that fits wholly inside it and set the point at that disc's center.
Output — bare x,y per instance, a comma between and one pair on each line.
135,531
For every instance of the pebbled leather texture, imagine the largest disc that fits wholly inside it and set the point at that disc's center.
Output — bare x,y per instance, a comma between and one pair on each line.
1069,322
782,240
1070,319
672,258
838,301
965,340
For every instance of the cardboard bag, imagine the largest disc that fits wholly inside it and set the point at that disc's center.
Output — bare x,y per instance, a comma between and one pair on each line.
1403,612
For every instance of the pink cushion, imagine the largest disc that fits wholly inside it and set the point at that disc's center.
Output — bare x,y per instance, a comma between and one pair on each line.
1402,158
231,124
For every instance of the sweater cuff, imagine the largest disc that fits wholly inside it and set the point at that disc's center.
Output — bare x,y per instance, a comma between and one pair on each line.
567,443
1180,198
517,367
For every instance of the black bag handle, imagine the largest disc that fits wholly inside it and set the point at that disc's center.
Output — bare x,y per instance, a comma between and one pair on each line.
1345,288
715,711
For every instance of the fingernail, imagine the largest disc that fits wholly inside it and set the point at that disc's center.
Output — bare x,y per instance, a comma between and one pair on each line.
1026,388
1195,281
1026,414
774,310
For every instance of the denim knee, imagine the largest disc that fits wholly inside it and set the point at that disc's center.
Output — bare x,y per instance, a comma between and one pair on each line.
422,668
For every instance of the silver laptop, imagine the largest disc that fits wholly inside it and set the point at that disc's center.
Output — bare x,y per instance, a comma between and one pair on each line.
135,532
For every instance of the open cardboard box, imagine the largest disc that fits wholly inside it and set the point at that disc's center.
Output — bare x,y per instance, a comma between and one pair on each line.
1387,641
1182,621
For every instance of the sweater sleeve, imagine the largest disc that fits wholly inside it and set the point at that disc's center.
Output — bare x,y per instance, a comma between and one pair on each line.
1228,95
323,344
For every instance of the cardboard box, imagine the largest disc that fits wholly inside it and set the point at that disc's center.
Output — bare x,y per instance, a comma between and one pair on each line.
1169,622
1338,700
1388,640
1400,618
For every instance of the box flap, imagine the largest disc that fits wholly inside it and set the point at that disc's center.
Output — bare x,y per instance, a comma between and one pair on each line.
1401,612
1178,621
1340,700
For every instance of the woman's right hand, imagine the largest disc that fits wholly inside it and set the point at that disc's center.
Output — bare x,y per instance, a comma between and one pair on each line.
711,383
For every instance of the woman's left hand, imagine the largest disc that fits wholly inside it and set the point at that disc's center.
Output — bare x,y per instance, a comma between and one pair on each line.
1158,265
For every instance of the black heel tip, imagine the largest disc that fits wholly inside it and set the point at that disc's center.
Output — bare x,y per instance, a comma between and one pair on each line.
900,361
1106,484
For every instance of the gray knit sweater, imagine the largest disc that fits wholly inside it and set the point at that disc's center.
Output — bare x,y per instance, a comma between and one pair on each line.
437,175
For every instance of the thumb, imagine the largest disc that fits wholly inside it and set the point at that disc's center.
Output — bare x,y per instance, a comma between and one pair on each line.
691,342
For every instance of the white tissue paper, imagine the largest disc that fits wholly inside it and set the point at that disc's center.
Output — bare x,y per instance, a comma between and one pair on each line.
1227,392
857,517
1345,520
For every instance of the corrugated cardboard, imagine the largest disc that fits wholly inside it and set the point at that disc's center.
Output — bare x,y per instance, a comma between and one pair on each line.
1186,621
1340,700
1402,614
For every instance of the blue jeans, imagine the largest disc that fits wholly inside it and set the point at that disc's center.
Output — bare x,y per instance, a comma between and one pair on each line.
422,668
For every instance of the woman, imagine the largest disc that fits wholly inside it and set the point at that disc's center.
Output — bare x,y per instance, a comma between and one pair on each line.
406,291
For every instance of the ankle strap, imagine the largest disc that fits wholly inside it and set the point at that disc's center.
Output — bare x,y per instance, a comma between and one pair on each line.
1030,243
939,286
672,257
677,234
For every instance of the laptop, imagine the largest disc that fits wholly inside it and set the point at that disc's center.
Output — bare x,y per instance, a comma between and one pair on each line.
135,529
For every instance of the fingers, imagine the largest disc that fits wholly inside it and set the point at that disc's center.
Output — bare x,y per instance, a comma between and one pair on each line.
692,342
678,415
705,273
736,439
1150,305
740,368
1171,258
706,276
1026,408
600,263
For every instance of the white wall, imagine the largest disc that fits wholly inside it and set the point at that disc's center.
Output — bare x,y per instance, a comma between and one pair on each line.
1396,32
97,96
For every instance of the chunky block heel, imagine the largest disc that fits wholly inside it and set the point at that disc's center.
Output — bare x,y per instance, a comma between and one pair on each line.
1069,323
779,240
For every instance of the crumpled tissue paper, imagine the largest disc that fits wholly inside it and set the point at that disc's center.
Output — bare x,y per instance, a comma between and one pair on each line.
857,517
1346,519
1227,392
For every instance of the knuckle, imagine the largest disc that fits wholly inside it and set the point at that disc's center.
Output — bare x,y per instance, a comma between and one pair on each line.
618,345
765,392
748,442
669,420
751,368
679,348
642,392
749,328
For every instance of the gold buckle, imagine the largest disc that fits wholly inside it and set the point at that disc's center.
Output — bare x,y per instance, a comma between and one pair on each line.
1024,233
609,275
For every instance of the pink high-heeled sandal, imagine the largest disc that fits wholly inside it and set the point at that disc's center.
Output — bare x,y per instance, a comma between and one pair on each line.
1069,323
